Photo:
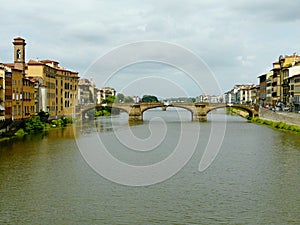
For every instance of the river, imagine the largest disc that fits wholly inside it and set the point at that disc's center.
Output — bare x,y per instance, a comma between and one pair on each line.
254,179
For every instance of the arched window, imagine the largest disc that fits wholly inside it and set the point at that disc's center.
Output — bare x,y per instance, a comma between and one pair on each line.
18,54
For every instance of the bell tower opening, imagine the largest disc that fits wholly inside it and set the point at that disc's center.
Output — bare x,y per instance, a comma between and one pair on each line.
19,53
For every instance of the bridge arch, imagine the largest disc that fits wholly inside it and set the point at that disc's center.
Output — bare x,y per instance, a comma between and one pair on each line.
169,106
246,109
182,107
87,108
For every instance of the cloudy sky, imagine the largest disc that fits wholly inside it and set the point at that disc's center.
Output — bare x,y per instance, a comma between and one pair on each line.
237,40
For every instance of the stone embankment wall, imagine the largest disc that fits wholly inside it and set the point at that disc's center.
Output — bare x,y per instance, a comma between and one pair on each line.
278,116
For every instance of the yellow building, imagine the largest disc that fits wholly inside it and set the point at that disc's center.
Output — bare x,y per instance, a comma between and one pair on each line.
2,93
285,62
61,86
17,86
28,88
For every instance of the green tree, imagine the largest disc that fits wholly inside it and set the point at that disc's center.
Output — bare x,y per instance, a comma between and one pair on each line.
109,99
34,124
149,98
120,97
128,99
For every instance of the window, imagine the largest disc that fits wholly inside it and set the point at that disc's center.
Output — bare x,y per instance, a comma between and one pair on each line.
19,110
18,54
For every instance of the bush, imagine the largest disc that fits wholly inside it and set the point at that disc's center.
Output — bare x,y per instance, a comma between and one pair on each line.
20,132
34,124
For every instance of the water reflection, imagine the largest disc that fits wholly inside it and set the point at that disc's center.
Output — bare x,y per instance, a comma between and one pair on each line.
254,179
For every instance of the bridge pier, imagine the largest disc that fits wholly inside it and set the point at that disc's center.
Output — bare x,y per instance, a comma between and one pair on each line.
135,113
200,113
200,118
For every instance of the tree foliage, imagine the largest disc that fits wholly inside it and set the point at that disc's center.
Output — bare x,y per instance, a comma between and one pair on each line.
109,99
149,98
34,124
120,97
128,99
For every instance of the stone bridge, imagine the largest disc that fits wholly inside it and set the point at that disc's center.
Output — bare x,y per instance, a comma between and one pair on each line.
199,110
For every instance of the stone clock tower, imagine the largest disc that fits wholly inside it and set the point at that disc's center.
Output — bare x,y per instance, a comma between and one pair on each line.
19,53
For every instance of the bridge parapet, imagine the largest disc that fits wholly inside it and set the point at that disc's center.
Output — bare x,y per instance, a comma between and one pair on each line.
199,110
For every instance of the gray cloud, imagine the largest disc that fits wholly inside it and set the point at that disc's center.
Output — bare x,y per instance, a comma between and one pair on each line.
237,39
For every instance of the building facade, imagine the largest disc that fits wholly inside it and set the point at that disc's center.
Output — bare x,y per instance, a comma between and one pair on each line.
59,83
2,93
103,93
28,88
19,90
86,91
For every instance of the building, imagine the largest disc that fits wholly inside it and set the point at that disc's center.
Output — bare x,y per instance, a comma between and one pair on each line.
229,97
262,90
19,90
36,86
295,82
275,87
103,93
2,93
276,90
294,87
254,94
86,91
241,94
59,84
269,88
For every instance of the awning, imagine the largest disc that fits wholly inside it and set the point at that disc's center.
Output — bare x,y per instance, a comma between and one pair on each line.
2,108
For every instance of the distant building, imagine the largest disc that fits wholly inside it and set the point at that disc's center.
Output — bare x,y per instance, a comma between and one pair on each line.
103,93
254,95
87,92
229,97
241,94
262,90
210,98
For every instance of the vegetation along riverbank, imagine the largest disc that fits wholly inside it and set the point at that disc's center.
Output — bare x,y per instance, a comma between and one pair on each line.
38,123
276,125
267,122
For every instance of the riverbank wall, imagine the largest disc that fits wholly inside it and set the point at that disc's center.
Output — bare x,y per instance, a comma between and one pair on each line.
278,116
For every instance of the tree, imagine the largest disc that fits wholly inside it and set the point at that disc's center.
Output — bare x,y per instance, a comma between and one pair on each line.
120,97
109,99
128,99
149,98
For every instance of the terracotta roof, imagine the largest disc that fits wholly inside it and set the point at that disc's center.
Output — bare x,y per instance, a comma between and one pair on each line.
10,65
33,62
48,61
